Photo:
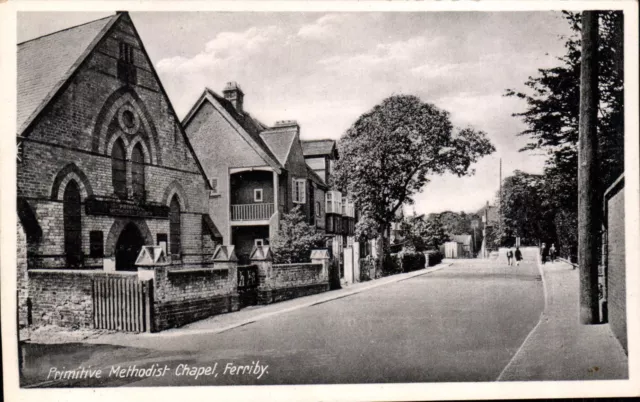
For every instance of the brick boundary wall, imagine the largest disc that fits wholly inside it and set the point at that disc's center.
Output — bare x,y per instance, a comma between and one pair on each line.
280,282
615,260
191,293
63,297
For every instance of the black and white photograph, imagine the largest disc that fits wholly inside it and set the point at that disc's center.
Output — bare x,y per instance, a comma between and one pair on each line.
366,196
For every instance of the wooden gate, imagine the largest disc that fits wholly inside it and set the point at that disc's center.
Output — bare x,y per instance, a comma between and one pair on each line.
248,282
122,303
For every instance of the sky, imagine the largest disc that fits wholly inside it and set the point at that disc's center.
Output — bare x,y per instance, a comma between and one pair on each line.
326,69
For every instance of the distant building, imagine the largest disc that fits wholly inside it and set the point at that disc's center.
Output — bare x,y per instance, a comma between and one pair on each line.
467,245
490,220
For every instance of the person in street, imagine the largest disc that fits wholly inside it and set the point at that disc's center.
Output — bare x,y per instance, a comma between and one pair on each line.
552,253
544,252
518,255
509,257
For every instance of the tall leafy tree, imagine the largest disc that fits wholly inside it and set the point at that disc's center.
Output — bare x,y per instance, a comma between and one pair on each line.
391,151
422,234
457,223
551,116
524,212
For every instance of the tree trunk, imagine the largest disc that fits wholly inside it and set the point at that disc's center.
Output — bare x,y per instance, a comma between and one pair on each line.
588,191
382,246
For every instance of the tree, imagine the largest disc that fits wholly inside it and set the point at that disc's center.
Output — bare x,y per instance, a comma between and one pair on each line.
434,234
295,239
422,234
552,116
389,153
524,213
457,223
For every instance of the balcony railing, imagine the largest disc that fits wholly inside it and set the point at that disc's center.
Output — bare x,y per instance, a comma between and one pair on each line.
251,212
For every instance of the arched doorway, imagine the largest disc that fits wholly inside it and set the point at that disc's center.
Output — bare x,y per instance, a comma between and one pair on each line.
128,247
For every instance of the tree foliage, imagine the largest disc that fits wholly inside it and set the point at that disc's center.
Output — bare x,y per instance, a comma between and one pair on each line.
525,211
390,152
295,239
457,223
420,234
552,114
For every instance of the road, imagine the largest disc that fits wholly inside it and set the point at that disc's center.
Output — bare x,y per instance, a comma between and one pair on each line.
462,323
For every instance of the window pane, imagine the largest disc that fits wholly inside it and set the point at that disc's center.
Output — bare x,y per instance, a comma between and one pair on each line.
119,169
137,172
174,225
72,224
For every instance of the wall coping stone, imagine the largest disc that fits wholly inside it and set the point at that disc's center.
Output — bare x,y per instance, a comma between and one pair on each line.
320,254
87,272
297,264
225,253
261,253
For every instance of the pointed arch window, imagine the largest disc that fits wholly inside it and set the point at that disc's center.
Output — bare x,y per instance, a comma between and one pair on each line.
174,226
72,225
119,169
137,172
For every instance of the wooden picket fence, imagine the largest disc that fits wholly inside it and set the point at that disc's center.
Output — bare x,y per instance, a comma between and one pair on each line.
122,303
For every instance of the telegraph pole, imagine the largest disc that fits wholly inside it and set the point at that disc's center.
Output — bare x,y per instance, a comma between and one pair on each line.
588,190
500,202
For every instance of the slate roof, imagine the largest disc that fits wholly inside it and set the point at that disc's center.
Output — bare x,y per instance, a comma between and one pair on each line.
318,147
280,140
253,127
45,64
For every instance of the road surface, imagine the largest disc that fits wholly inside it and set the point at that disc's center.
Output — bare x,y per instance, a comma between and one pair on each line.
462,323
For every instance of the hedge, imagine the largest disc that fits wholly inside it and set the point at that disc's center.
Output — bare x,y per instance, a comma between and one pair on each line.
434,257
412,261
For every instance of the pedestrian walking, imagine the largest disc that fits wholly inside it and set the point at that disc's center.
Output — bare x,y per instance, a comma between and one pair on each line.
518,255
509,257
552,253
544,253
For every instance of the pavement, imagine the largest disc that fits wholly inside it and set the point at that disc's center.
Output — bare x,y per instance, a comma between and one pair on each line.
559,347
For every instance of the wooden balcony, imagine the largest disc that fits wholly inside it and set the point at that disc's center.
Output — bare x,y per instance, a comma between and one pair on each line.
252,212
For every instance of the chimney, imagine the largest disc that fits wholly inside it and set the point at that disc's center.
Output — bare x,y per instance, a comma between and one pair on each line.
287,123
234,94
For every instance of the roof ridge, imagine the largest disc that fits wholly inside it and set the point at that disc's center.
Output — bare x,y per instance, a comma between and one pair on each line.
65,29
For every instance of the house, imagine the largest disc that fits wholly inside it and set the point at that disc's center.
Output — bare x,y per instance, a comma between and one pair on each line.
257,172
341,214
104,166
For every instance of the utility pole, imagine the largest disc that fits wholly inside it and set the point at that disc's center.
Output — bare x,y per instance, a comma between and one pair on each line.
500,203
588,189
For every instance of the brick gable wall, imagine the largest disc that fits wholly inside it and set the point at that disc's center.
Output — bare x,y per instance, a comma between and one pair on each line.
76,129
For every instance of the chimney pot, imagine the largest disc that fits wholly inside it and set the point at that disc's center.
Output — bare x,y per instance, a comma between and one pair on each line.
286,123
233,93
